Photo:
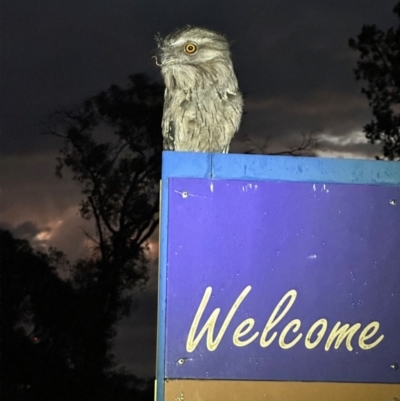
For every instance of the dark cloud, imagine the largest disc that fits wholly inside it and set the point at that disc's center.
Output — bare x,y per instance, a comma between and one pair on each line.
37,206
26,230
353,147
332,112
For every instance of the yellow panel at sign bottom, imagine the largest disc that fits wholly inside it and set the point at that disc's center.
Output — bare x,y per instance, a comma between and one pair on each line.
216,390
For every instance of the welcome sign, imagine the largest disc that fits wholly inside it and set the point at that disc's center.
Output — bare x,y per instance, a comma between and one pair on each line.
274,274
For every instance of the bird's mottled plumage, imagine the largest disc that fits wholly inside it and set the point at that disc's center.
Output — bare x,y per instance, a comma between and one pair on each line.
202,104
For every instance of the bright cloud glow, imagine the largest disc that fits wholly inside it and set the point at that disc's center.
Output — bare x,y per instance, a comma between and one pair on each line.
351,146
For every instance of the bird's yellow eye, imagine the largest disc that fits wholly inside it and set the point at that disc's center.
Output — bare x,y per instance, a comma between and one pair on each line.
190,48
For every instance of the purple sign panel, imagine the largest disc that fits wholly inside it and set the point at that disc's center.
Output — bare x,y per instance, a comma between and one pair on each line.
282,281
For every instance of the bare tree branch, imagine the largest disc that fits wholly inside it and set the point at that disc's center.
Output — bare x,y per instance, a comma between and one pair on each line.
309,143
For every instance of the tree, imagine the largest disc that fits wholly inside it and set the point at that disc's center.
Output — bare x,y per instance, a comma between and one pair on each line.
33,319
379,66
42,321
112,145
57,334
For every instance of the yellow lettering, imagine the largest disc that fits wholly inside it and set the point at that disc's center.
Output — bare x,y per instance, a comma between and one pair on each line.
341,333
209,326
239,333
274,319
243,335
321,322
296,323
373,327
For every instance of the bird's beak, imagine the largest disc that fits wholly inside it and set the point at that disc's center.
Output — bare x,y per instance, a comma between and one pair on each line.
163,58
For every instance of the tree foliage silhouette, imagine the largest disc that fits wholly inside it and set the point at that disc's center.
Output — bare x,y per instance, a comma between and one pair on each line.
112,146
379,65
34,322
41,323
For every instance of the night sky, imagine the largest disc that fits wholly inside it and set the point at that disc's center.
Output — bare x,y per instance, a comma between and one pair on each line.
293,65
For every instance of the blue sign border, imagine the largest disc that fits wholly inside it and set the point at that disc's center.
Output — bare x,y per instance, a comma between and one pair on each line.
254,167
